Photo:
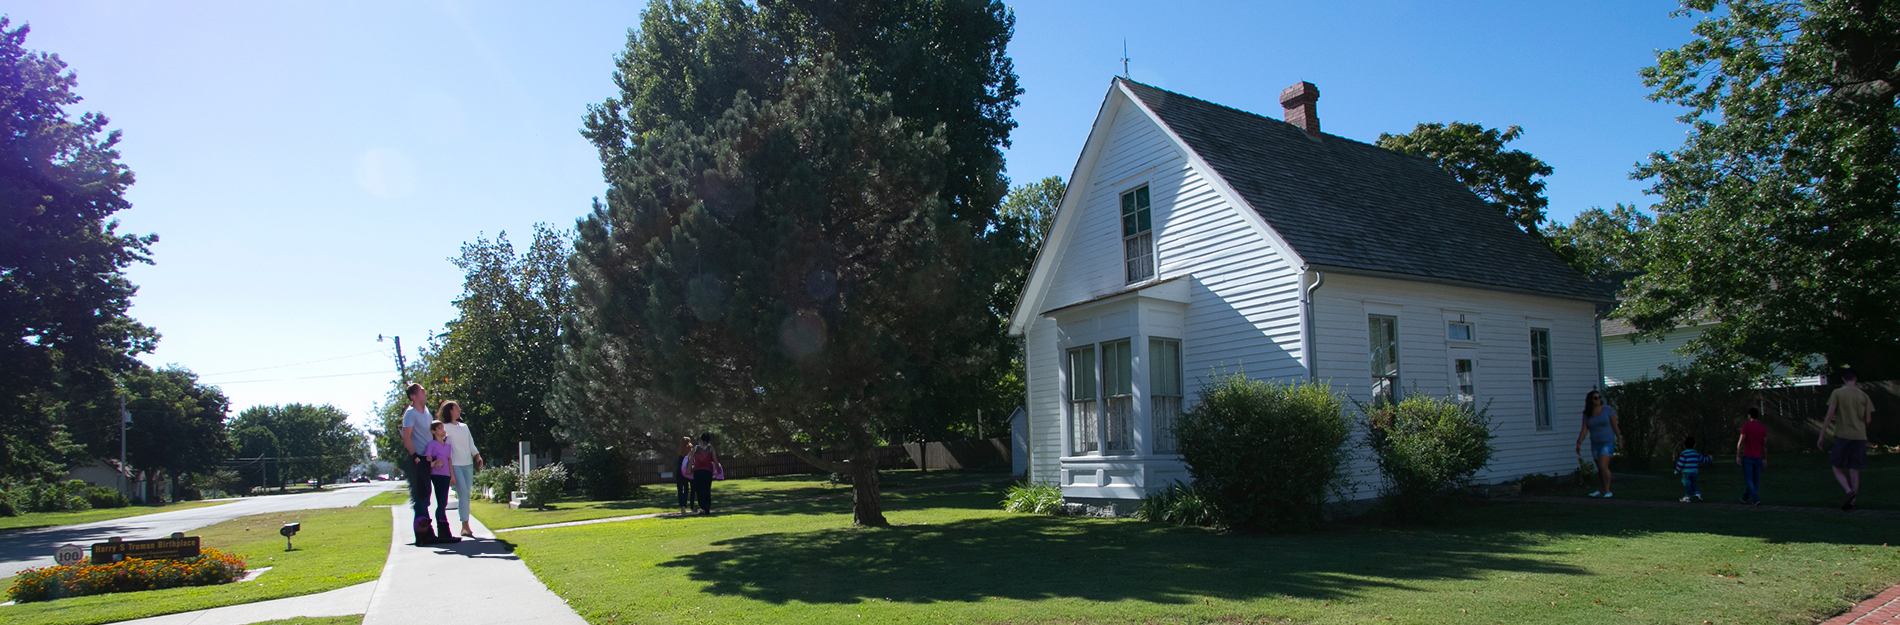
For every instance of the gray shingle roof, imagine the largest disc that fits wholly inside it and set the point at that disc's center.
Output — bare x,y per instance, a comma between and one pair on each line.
1342,203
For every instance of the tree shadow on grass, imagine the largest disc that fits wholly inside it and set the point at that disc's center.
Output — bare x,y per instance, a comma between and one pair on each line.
1032,558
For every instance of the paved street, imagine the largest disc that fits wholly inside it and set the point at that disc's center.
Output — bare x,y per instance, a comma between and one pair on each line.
34,548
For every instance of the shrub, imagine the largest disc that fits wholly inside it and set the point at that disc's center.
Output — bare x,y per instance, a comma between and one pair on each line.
1428,448
1033,499
43,496
543,486
102,497
57,582
1267,454
603,472
504,479
1180,504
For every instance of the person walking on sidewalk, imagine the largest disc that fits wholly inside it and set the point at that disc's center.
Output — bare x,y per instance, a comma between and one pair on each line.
683,476
1749,452
441,476
1599,423
464,458
415,438
704,457
1849,456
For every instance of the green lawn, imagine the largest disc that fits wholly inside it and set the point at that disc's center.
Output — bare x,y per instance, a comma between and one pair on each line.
1802,479
956,558
337,547
663,498
49,519
392,498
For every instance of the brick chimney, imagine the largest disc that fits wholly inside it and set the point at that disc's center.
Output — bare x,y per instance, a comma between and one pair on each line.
1301,109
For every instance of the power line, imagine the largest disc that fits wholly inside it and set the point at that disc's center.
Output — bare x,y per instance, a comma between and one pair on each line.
311,362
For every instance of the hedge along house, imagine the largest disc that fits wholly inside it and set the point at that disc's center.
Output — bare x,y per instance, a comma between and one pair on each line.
1196,238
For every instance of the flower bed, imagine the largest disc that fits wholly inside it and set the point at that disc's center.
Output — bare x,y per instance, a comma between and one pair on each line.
56,582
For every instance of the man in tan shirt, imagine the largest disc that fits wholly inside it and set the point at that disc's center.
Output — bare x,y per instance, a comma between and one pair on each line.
1849,455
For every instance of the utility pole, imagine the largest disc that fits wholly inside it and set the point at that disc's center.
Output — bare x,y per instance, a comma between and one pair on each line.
401,366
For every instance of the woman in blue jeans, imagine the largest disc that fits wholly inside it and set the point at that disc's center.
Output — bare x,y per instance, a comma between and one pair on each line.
466,458
1599,423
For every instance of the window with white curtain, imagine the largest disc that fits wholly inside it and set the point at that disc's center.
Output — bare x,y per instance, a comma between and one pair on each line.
1138,242
1164,391
1118,390
1540,376
1082,412
1383,334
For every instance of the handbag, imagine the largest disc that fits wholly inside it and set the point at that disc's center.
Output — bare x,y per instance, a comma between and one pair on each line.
719,471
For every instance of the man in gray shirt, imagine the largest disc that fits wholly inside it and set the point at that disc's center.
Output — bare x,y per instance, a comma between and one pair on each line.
415,438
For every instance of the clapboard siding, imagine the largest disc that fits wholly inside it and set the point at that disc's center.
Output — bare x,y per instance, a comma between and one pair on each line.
1504,323
1243,312
1243,309
1045,394
1626,361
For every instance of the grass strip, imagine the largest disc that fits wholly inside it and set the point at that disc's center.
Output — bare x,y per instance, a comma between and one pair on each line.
337,547
49,519
955,557
663,498
392,498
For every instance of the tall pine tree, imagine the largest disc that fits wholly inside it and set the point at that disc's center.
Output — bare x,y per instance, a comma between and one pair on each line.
797,246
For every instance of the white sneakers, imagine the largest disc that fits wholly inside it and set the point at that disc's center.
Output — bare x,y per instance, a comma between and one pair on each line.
1600,494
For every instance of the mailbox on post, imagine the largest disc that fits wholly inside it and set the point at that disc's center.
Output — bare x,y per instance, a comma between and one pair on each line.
289,530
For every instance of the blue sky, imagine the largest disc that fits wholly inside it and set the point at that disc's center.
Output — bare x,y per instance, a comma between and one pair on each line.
310,167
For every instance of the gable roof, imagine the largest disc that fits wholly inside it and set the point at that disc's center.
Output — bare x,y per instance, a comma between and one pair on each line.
1346,205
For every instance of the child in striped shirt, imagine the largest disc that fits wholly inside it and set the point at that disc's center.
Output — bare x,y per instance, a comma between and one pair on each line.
1689,464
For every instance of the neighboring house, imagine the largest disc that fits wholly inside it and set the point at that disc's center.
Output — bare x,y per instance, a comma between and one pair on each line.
1631,357
1196,238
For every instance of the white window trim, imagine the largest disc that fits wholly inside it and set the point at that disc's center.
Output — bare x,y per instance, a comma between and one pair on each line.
1455,354
1398,358
1549,403
1154,249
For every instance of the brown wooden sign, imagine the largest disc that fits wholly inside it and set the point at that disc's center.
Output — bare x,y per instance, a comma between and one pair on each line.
176,547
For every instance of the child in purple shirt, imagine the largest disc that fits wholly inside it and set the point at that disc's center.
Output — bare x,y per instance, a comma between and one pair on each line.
441,476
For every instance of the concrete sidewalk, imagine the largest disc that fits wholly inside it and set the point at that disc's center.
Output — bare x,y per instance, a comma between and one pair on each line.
474,582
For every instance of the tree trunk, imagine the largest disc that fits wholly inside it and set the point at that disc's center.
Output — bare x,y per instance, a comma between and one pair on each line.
867,504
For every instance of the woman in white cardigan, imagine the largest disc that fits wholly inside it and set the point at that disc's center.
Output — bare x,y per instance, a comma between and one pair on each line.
463,455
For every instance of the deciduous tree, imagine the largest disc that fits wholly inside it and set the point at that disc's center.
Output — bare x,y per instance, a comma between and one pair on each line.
497,357
64,332
313,441
1603,244
1780,214
1511,180
177,424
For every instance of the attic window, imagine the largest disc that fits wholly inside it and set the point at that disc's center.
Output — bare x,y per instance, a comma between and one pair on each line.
1458,331
1138,243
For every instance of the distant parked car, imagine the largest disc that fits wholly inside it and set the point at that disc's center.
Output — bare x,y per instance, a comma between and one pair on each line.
383,476
360,479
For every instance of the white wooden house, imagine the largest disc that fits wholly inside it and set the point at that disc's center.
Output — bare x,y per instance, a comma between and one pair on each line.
1197,238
